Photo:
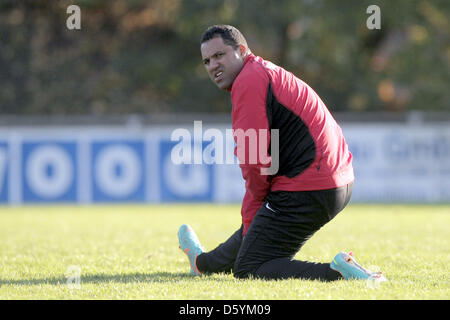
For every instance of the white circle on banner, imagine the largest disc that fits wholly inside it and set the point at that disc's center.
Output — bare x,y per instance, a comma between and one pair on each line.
43,184
186,180
111,158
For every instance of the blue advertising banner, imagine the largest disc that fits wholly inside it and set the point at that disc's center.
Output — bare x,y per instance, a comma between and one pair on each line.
118,171
183,182
49,171
4,171
392,163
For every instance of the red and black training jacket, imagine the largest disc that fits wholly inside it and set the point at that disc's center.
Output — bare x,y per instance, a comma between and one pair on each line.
313,154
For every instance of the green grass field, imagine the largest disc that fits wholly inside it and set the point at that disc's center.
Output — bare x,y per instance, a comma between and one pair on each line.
131,252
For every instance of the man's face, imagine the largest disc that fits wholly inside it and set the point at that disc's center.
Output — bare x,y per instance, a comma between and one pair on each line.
223,63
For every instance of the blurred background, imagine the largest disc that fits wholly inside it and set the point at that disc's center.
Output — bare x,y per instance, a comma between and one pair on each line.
143,56
136,65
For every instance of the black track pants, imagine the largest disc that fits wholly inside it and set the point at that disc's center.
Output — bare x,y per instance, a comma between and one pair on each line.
284,222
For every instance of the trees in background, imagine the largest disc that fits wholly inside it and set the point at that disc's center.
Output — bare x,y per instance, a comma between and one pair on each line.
143,56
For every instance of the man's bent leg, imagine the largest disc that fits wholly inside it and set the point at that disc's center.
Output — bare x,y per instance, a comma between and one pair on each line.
280,229
223,257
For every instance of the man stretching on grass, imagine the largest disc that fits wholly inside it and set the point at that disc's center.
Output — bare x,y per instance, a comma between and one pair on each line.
313,183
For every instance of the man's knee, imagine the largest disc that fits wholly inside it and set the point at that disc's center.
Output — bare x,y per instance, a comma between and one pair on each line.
241,272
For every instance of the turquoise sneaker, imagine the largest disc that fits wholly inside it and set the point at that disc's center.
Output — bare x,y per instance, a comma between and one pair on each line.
190,245
346,265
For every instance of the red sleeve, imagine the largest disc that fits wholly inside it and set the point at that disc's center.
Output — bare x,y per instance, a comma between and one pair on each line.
248,211
249,115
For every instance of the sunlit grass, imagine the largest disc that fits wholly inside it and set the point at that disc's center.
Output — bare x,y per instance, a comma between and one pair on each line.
131,252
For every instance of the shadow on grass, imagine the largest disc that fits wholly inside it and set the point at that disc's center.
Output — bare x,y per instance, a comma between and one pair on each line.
105,278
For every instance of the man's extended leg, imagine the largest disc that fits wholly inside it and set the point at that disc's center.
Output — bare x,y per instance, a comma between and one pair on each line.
222,258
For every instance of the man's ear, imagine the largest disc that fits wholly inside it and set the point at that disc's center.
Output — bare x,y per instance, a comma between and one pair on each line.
243,50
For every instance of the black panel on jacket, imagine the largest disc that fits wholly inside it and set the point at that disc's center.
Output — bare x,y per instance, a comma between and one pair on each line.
297,148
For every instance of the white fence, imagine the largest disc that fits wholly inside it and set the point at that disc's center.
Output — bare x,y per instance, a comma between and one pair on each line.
400,163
